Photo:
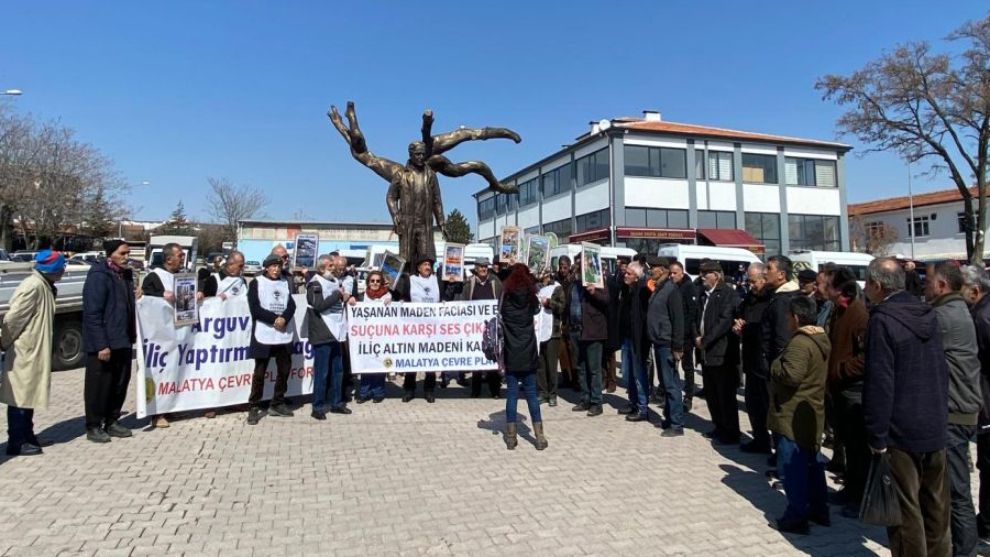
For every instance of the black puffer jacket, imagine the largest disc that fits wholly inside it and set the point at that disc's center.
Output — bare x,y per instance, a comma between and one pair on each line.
518,308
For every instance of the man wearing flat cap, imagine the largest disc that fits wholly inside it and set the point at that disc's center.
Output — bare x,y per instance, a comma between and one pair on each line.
421,287
26,337
719,350
483,285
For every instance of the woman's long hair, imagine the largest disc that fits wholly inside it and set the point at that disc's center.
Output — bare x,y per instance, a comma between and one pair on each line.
519,279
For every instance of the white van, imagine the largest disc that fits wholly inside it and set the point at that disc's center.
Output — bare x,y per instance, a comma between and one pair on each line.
610,256
815,260
690,257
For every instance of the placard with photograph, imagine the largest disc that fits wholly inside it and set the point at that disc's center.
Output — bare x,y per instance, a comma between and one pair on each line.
537,254
186,310
305,252
510,245
392,267
591,265
453,263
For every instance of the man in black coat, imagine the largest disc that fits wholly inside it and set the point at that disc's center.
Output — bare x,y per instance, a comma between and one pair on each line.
109,332
976,287
749,326
689,297
719,353
613,283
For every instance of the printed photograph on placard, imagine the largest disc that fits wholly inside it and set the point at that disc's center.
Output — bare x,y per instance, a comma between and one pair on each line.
378,261
508,250
453,263
591,265
392,266
537,253
306,249
185,300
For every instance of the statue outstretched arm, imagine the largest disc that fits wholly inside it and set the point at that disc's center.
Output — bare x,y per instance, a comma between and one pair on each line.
428,131
359,146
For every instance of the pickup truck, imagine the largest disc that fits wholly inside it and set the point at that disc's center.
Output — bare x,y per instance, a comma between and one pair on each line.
67,351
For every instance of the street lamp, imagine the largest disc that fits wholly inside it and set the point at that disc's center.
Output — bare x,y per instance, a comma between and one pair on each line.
12,92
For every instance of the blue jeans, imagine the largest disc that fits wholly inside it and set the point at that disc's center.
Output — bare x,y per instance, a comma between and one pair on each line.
804,480
528,379
673,388
372,385
637,383
328,359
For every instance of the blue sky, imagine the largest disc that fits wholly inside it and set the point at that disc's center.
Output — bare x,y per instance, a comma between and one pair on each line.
176,91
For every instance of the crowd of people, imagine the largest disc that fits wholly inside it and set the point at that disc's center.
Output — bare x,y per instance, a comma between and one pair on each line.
881,372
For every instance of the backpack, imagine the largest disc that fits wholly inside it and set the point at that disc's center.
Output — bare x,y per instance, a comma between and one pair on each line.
493,337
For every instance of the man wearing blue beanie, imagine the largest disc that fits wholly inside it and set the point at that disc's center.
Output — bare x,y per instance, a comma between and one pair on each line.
26,337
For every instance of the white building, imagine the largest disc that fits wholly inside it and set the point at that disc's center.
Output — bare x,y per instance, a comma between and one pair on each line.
640,182
939,231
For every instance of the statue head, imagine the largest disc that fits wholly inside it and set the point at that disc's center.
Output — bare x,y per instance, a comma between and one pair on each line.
417,154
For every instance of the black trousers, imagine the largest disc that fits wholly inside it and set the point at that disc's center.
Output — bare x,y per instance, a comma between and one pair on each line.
429,382
757,396
546,378
106,384
492,378
283,360
983,465
721,383
847,419
687,364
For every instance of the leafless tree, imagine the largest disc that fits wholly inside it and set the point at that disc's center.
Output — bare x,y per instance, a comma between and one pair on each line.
874,238
928,106
229,203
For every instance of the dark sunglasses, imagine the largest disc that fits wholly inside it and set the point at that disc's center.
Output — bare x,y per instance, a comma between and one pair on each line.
374,281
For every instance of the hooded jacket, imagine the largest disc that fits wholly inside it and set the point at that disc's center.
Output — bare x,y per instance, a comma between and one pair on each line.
962,354
776,328
797,388
907,377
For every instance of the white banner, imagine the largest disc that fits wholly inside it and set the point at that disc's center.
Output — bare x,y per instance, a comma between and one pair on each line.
207,365
402,337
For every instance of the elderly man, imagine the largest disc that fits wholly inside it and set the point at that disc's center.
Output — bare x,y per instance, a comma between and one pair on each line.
484,285
633,303
942,290
719,350
749,326
326,293
665,329
906,379
228,281
976,285
109,332
160,282
689,297
26,336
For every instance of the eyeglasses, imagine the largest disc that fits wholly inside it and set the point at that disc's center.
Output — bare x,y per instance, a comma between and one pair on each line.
374,281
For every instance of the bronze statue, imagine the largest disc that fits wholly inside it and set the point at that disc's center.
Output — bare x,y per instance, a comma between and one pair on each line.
414,192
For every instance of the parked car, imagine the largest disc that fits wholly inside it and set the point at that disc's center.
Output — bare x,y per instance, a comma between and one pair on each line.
252,268
23,256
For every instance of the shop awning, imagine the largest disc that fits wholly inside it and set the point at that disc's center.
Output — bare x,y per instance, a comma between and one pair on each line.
729,238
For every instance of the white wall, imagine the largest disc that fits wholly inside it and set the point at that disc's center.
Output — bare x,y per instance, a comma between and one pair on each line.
653,141
530,216
556,209
813,201
716,196
591,198
944,240
660,193
759,198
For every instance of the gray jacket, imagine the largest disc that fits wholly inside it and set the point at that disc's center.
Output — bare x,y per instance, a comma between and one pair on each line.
665,316
320,302
962,354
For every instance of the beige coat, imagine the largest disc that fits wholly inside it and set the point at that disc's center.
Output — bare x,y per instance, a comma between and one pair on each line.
26,337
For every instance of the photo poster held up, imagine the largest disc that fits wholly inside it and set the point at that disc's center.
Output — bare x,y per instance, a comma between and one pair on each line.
453,263
306,249
537,254
392,268
509,245
591,265
184,305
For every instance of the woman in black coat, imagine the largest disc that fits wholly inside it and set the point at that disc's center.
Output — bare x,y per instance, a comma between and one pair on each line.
519,352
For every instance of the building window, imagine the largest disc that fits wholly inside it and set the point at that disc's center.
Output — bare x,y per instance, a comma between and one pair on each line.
765,227
532,230
592,168
529,192
759,169
486,208
661,162
500,203
489,241
720,166
814,232
961,217
809,172
921,226
557,181
562,228
512,201
638,217
716,219
592,221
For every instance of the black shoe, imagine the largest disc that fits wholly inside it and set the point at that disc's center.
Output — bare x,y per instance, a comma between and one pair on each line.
664,424
636,418
475,395
726,440
628,410
445,383
318,415
580,407
117,430
673,432
771,474
408,396
97,435
595,410
26,449
341,410
378,399
497,394
700,393
755,448
254,416
688,403
431,398
713,434
361,400
280,411
821,519
777,485
553,401
791,527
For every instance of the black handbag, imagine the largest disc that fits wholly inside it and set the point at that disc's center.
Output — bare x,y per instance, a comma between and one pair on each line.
880,505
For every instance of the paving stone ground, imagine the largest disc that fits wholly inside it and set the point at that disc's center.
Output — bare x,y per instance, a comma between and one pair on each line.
396,479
